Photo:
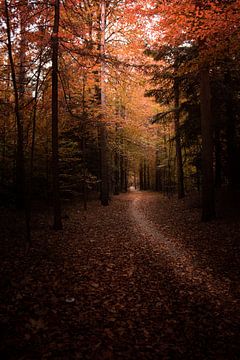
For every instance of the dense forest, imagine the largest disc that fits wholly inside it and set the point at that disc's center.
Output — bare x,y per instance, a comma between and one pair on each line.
102,97
74,76
75,117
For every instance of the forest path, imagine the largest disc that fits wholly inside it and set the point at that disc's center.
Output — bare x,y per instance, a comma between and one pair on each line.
118,284
184,262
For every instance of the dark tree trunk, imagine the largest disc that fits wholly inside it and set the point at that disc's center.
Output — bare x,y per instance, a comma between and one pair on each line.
232,149
218,160
122,173
158,180
57,219
180,175
116,173
104,166
144,175
84,150
148,177
103,131
208,204
125,175
141,182
20,162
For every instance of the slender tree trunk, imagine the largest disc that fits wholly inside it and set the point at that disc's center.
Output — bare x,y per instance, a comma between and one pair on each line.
84,130
141,181
158,180
144,175
232,148
148,178
103,130
180,175
218,162
57,221
20,162
208,204
116,172
122,174
135,180
34,117
125,175
85,195
21,90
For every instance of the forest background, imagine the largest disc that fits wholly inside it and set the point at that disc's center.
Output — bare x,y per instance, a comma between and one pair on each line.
96,96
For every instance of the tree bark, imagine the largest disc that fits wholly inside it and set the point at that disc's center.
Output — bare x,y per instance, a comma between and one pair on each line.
180,175
208,204
20,161
158,179
231,131
141,176
57,219
116,173
144,175
103,130
218,160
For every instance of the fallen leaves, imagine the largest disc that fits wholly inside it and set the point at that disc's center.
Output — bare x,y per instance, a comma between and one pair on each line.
37,324
115,293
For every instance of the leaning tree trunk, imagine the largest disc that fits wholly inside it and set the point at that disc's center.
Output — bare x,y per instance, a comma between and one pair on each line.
57,220
208,204
180,175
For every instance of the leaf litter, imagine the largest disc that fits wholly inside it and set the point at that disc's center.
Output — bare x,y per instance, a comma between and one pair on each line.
140,279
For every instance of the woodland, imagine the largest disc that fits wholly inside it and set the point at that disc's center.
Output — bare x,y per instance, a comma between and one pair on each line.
119,179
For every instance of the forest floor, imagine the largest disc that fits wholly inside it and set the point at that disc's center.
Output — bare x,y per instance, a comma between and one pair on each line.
140,279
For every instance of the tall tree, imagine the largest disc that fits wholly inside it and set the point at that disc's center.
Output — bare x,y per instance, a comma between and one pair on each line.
208,204
57,221
20,163
180,176
103,130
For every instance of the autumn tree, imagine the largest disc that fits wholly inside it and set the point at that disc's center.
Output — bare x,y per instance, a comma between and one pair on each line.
55,158
18,94
206,26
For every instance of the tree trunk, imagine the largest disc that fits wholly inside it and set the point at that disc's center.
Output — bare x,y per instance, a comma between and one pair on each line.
141,182
116,173
84,147
158,180
232,148
57,219
122,174
208,204
218,162
148,178
103,130
20,161
125,174
180,175
144,175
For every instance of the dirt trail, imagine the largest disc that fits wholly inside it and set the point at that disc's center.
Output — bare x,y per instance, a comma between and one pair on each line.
113,285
